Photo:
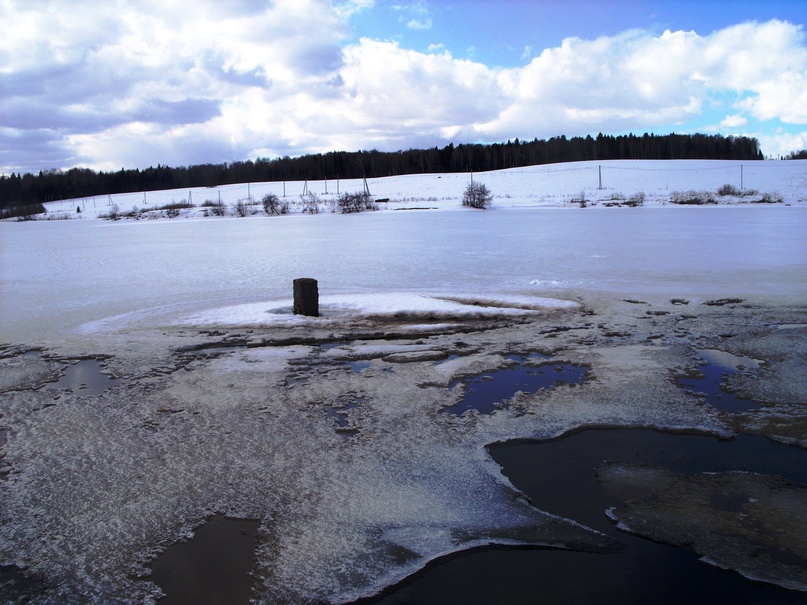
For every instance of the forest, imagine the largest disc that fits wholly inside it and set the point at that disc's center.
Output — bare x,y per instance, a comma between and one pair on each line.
51,185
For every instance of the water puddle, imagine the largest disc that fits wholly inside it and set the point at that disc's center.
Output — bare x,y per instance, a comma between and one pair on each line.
341,412
487,392
560,477
86,377
714,367
212,568
357,366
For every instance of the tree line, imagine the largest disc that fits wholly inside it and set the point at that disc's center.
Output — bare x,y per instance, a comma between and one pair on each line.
52,185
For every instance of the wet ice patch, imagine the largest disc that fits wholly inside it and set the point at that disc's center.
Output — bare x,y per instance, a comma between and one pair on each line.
749,523
85,376
489,391
212,567
713,370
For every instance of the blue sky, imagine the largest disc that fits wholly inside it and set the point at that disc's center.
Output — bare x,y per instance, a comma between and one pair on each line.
499,33
137,83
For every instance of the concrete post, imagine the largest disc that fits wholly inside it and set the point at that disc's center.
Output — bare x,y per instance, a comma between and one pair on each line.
306,297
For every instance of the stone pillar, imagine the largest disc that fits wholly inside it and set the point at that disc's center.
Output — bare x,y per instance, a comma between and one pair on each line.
306,297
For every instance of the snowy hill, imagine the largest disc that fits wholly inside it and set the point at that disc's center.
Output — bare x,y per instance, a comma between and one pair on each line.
609,183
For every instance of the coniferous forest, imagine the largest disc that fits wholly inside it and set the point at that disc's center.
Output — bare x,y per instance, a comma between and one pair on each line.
52,185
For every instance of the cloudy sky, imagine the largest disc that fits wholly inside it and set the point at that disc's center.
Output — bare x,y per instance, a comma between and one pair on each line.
136,83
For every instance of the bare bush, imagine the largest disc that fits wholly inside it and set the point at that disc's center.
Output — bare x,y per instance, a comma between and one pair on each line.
692,198
241,208
310,202
477,195
113,214
355,202
181,205
769,198
271,204
637,199
215,208
580,199
727,189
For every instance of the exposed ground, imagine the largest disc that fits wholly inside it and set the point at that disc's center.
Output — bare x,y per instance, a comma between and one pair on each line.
332,434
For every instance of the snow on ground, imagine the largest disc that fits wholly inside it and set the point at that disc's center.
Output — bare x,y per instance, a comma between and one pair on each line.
549,185
373,305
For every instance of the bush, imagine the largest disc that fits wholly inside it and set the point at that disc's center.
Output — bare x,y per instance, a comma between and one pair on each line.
182,205
310,202
242,208
477,195
216,208
769,198
637,199
271,204
355,202
725,190
692,198
113,214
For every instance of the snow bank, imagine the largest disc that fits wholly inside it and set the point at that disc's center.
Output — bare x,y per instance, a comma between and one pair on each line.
391,305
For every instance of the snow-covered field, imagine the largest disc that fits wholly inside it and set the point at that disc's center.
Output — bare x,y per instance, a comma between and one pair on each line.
224,399
551,185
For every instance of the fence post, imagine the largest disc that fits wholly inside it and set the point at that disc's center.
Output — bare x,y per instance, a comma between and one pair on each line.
306,297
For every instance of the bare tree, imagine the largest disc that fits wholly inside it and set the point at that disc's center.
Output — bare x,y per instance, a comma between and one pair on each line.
477,195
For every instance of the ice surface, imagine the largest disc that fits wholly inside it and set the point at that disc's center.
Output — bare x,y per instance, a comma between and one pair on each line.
112,275
742,521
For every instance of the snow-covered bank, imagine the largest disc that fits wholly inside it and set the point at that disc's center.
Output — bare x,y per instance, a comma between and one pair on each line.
375,306
606,183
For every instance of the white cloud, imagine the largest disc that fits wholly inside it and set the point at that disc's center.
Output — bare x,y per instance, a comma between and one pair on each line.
734,121
782,143
141,84
416,15
347,8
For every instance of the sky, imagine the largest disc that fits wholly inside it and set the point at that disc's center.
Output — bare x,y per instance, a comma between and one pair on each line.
137,83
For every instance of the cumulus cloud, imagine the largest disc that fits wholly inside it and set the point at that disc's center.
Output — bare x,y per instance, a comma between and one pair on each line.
734,121
142,83
782,144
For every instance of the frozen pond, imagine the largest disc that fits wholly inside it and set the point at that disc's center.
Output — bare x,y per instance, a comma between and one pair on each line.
57,276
